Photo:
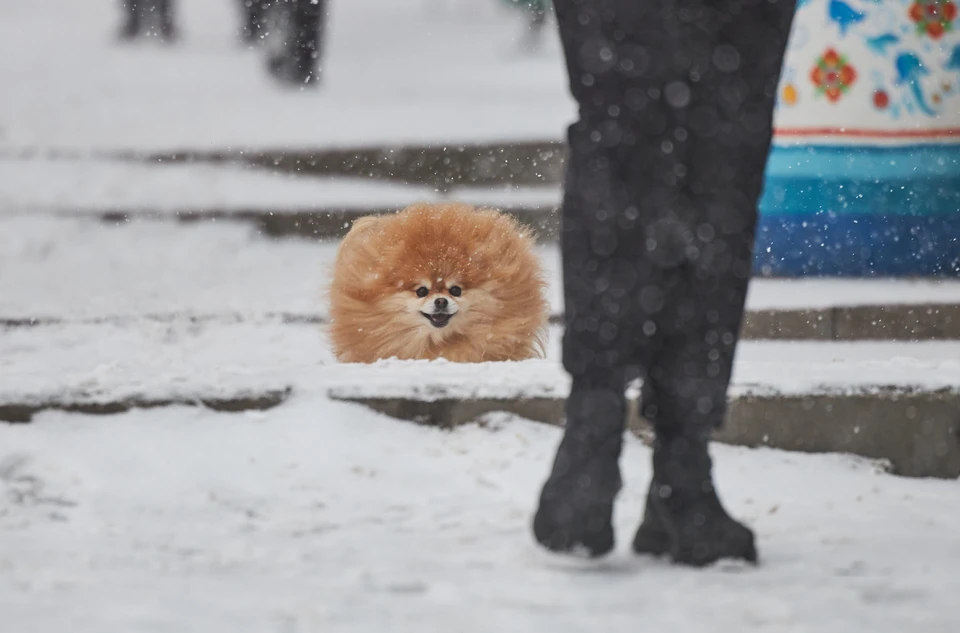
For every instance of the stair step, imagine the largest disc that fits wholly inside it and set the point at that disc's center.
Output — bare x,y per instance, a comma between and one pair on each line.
889,400
66,270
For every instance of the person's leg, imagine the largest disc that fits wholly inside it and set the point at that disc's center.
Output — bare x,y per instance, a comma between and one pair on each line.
665,167
537,18
299,64
600,230
684,397
254,13
166,13
309,40
131,20
576,503
729,119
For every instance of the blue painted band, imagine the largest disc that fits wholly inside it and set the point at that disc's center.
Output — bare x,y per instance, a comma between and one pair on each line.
865,211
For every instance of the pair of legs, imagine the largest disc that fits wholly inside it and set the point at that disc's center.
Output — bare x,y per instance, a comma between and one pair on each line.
296,58
665,170
139,14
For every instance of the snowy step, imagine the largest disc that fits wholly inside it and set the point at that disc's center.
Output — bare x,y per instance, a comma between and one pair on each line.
66,270
442,165
896,401
95,185
277,204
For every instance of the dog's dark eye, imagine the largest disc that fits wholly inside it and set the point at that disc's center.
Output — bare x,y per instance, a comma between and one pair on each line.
456,291
422,291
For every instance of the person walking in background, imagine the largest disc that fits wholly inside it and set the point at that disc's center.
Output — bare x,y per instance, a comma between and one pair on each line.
290,30
536,12
254,27
298,60
148,18
666,166
292,34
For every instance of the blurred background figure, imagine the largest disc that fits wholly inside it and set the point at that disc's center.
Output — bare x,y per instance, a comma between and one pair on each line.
291,32
537,12
254,20
148,18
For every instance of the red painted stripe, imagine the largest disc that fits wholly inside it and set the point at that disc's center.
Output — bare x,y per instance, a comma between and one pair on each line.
864,133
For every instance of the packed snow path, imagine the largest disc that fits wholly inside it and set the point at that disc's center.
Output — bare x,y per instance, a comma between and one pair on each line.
395,71
325,517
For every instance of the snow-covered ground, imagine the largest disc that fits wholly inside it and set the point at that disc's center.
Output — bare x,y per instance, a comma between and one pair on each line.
396,71
319,516
324,516
80,270
107,362
94,186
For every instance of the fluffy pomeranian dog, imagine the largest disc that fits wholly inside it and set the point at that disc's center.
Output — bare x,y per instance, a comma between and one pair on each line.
438,281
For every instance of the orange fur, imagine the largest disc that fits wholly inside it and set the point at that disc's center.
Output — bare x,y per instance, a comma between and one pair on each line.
376,313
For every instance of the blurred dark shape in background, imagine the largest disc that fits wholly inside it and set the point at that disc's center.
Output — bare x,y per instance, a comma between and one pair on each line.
255,15
148,18
537,12
290,31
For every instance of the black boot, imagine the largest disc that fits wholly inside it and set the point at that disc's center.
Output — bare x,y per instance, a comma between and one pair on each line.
576,504
652,537
684,516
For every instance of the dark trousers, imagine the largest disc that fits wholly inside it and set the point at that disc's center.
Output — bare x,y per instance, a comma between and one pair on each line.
660,206
299,60
665,170
140,13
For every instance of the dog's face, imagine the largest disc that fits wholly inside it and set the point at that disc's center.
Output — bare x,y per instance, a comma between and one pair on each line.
437,301
435,280
440,304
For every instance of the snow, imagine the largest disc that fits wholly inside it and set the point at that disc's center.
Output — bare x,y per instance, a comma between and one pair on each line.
319,516
156,361
184,359
101,185
761,367
814,293
54,267
97,185
396,72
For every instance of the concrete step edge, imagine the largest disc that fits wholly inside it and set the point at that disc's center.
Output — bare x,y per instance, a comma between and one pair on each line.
916,431
898,322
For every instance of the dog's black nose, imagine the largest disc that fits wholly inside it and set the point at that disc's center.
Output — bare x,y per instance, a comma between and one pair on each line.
440,303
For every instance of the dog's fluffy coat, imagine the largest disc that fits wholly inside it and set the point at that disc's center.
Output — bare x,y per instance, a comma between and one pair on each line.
481,288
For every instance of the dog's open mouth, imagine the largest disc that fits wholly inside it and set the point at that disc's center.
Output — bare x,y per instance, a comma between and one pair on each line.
439,319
